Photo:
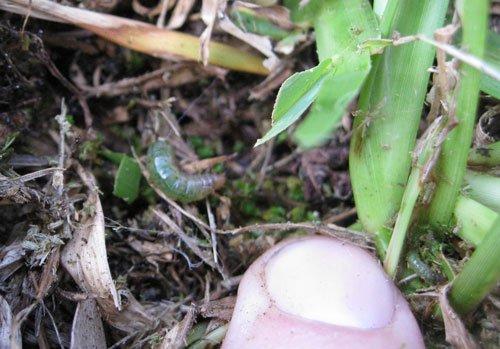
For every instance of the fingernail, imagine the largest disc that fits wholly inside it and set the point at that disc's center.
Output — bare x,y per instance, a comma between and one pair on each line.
317,292
325,280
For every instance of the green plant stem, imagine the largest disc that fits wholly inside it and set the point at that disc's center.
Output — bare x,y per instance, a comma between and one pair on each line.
399,233
479,274
492,57
483,188
452,165
387,20
379,7
413,188
473,220
485,156
390,104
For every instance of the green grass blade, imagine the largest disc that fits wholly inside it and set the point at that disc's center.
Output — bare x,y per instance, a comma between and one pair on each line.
485,156
452,164
250,20
428,145
295,96
379,7
480,273
333,99
127,180
391,103
473,220
492,56
340,28
483,188
387,21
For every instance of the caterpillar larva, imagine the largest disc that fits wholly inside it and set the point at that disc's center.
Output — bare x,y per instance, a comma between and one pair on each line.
421,268
165,174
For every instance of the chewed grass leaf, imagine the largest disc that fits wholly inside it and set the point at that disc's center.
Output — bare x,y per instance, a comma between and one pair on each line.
127,180
333,98
295,96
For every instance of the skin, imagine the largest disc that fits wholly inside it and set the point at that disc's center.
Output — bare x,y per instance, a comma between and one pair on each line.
179,186
318,292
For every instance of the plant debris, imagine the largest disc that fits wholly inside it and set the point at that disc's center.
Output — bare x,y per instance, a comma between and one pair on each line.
91,253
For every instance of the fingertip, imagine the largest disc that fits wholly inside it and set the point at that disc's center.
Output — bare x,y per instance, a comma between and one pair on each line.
319,292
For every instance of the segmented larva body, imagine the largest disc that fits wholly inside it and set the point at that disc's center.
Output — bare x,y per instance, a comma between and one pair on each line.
421,268
165,174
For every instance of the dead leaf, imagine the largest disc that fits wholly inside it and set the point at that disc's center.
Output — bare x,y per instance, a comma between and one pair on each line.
49,273
219,308
181,11
133,316
487,128
209,11
5,323
456,333
276,14
85,258
149,12
176,337
153,251
11,259
137,35
87,330
118,115
100,5
260,43
16,340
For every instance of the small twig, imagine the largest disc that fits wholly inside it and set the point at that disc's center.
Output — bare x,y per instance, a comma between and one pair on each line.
124,340
58,178
173,124
284,161
341,233
267,158
465,57
186,239
56,330
31,176
341,216
160,23
407,279
200,165
213,228
117,226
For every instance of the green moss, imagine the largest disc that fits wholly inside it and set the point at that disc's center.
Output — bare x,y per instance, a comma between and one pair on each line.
201,147
274,214
294,186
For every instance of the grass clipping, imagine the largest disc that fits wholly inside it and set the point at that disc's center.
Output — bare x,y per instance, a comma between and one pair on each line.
139,36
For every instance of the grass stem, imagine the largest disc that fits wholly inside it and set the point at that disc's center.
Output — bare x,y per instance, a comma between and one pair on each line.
452,165
473,220
428,149
385,127
485,156
479,274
